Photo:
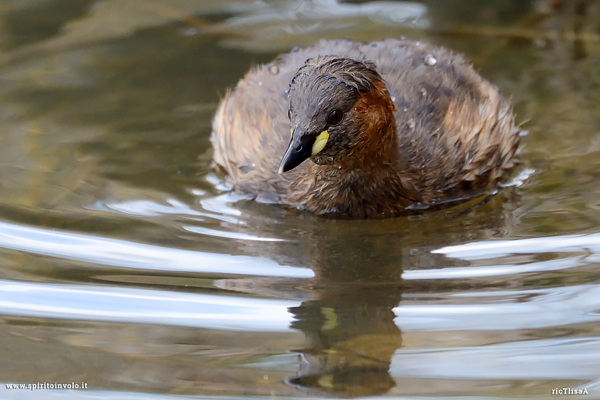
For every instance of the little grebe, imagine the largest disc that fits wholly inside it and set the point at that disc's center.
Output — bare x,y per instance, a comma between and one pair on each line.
387,126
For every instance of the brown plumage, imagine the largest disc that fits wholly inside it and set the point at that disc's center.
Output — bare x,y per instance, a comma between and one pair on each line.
408,124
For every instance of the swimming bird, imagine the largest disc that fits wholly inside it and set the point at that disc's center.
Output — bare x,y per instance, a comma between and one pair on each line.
365,130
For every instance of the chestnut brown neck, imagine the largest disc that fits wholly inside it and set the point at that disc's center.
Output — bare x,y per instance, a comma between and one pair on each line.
377,145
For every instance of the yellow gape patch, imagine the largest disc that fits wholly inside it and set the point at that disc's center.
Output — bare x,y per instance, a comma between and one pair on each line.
320,143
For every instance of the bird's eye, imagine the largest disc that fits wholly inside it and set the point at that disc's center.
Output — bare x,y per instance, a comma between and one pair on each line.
290,113
335,117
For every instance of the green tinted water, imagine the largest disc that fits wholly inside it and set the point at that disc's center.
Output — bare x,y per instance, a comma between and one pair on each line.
126,265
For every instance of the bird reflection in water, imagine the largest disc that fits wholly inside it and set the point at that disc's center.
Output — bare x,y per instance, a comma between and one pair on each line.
349,326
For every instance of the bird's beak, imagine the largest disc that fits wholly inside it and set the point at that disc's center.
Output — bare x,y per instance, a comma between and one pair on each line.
300,148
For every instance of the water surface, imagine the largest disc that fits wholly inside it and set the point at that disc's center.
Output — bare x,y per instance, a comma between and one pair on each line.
125,263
